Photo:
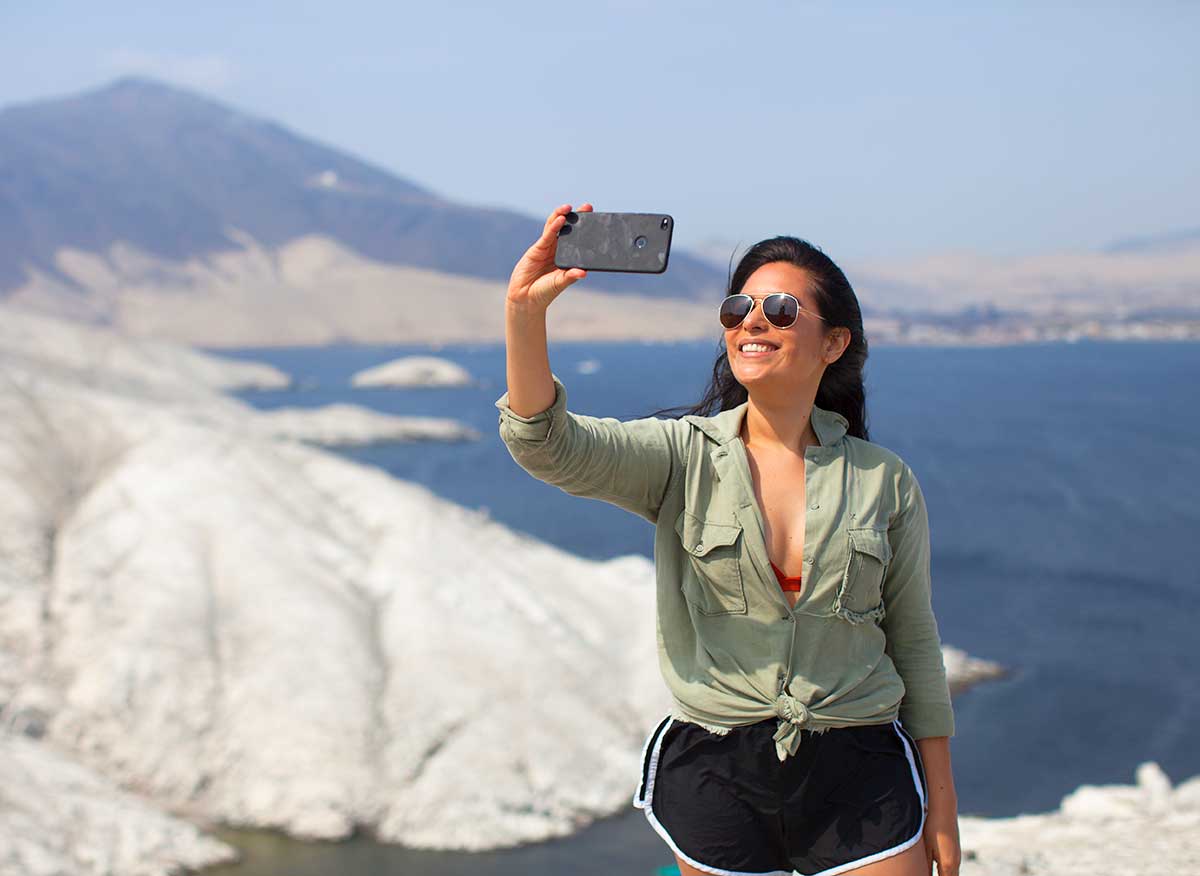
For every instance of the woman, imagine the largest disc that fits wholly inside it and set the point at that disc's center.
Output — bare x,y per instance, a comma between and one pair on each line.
796,634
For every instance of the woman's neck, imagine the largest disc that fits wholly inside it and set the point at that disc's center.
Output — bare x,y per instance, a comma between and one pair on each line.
779,428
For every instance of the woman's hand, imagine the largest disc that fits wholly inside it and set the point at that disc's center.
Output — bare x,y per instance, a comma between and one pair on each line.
535,281
941,821
941,837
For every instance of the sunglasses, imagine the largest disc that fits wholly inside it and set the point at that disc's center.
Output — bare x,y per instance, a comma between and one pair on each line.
781,309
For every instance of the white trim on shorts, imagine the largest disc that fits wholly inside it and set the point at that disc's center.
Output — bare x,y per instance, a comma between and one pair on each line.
644,805
912,840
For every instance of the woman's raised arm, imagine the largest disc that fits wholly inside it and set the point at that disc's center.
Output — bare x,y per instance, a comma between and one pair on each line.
626,464
534,285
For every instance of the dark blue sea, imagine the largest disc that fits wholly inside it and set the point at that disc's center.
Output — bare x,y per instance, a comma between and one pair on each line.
1063,488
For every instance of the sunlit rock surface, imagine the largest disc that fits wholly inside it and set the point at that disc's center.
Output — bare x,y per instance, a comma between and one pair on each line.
413,371
87,353
1143,829
964,671
263,632
346,424
58,818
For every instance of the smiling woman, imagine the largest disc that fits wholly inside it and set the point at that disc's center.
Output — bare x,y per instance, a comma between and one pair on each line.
828,700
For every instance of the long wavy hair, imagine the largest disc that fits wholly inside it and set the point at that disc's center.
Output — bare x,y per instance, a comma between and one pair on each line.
841,387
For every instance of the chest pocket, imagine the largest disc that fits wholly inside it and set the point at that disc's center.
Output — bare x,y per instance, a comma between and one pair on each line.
860,596
714,552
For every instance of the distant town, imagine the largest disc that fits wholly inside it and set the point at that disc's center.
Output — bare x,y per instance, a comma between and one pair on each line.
1007,329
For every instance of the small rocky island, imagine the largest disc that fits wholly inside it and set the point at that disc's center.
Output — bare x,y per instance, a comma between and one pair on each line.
414,371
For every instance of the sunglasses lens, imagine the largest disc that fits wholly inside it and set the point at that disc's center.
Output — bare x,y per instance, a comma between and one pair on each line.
780,310
734,310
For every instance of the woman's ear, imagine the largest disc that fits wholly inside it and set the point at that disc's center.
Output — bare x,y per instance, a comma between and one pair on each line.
836,343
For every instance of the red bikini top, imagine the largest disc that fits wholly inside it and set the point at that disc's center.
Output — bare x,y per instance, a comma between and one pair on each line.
787,583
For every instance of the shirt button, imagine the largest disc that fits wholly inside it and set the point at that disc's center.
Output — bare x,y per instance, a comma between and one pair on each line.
808,560
699,545
814,506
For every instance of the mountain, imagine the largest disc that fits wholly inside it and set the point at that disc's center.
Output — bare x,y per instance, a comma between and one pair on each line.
169,172
1169,242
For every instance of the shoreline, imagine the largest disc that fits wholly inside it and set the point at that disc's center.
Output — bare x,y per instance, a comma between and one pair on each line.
1055,842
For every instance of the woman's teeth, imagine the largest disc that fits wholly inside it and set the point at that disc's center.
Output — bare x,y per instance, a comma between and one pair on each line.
757,348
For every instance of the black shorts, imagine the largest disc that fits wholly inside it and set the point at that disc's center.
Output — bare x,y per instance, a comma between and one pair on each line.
726,804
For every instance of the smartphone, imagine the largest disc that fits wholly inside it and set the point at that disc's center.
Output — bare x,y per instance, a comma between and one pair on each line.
635,243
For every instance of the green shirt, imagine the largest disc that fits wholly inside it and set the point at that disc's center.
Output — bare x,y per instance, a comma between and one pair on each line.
861,645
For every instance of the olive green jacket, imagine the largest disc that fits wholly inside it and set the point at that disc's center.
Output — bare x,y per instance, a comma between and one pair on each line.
861,645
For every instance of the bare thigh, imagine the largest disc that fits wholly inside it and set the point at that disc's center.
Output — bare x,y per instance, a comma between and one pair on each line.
910,862
687,869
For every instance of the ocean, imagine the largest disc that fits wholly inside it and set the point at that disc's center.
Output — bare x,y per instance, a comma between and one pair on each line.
1061,481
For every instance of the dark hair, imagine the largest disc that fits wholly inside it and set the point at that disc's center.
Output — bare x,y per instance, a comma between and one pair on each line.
841,387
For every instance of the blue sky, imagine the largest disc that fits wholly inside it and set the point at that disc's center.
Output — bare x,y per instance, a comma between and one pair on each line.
873,130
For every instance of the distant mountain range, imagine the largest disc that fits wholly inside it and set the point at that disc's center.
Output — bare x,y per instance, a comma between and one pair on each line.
166,215
1169,242
169,173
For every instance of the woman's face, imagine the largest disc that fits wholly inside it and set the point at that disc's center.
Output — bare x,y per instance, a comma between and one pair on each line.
795,355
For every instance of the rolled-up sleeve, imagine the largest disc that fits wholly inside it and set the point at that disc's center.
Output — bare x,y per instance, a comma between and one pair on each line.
628,464
913,642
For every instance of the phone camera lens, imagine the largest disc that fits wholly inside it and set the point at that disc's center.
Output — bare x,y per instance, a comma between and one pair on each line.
639,242
572,218
664,224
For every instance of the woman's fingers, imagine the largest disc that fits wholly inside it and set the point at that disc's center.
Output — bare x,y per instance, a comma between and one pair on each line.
535,272
543,248
539,258
559,217
555,220
552,284
561,210
561,278
550,235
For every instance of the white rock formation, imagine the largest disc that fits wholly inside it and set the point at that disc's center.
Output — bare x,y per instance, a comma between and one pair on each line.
60,346
414,371
261,632
1146,829
964,671
345,424
57,817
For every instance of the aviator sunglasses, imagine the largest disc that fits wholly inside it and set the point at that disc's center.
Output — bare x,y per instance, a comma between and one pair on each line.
781,309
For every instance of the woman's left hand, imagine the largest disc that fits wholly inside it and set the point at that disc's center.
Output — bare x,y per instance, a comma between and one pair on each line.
941,836
941,820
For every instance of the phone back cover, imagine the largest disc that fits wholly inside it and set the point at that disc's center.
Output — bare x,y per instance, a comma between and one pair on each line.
610,242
